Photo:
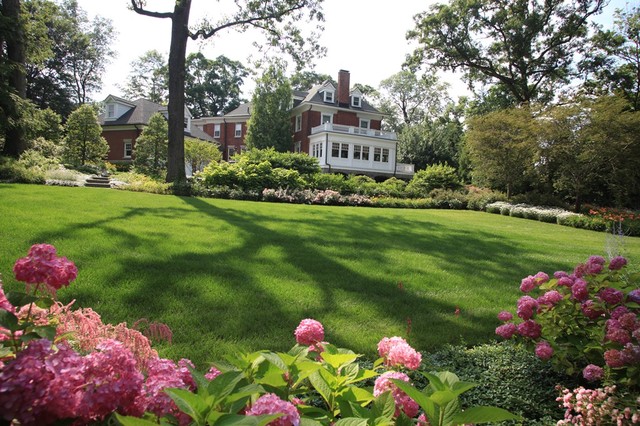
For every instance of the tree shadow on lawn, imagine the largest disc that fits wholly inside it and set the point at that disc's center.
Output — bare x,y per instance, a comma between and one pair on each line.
211,291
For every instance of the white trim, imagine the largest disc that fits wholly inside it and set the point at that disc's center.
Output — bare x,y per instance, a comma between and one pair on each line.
356,101
329,96
367,121
216,130
298,126
323,116
238,131
126,142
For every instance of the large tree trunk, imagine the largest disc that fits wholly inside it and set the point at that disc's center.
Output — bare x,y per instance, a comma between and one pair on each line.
177,60
15,143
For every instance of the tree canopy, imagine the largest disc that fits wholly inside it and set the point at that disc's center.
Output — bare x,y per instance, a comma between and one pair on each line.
148,78
84,143
270,122
526,46
150,151
278,20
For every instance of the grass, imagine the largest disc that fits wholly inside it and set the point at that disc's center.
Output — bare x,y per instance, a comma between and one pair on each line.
227,275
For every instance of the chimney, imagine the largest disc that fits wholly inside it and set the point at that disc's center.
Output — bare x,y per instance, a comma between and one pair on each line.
343,88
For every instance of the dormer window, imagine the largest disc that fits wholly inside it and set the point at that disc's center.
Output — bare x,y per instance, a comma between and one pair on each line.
355,101
328,96
111,111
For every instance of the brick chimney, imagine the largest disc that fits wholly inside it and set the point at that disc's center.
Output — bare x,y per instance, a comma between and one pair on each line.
343,88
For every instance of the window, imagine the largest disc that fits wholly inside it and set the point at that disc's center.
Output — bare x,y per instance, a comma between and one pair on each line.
364,124
186,122
243,148
128,148
298,123
327,118
328,96
381,155
297,147
238,133
316,150
111,111
361,152
231,151
355,101
340,150
216,130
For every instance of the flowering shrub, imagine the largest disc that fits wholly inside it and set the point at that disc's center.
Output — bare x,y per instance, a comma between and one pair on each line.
596,407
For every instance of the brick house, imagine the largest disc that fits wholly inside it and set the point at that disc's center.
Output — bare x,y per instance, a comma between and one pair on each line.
123,121
334,124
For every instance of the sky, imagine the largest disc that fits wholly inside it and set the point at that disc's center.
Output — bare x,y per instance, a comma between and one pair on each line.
365,37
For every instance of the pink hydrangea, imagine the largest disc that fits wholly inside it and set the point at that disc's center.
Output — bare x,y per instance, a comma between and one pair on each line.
403,402
270,404
594,265
506,331
592,373
309,331
579,290
505,316
212,373
527,305
591,310
423,421
550,298
614,358
560,274
566,281
4,302
530,329
619,311
611,296
42,266
402,354
616,332
617,263
387,343
541,278
161,374
634,296
544,350
527,284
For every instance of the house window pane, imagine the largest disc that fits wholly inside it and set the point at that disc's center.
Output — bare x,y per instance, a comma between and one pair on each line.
328,96
111,110
216,131
377,154
326,118
355,101
297,147
335,149
357,151
298,123
128,148
344,150
385,155
364,124
238,130
365,153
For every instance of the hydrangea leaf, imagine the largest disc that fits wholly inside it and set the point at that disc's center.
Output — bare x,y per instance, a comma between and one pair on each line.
484,415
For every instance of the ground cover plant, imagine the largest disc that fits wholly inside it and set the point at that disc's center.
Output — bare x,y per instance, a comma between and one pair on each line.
227,275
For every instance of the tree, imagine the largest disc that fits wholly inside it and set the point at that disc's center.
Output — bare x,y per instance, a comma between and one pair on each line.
525,45
149,78
503,147
200,153
150,153
409,99
84,142
213,87
12,53
305,80
277,19
612,58
270,122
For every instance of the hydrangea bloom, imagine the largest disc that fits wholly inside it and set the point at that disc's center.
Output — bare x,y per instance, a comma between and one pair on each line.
592,373
271,404
614,358
619,311
403,402
579,290
527,305
590,310
530,329
42,266
506,331
387,343
617,263
4,303
566,281
544,350
527,284
550,298
634,296
403,354
611,296
309,331
161,374
505,316
212,373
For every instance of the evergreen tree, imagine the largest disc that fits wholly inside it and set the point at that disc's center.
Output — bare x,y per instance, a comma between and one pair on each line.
270,122
84,142
151,147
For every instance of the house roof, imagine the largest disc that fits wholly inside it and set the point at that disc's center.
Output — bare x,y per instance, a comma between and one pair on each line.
315,96
140,113
242,110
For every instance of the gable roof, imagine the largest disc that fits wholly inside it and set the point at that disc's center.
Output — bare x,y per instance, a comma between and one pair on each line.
315,96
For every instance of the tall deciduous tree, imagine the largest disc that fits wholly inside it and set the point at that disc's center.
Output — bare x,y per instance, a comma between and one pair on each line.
503,148
148,78
151,147
213,87
200,153
270,122
277,19
84,142
527,46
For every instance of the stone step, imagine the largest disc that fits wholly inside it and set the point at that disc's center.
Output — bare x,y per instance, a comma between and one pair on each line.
98,182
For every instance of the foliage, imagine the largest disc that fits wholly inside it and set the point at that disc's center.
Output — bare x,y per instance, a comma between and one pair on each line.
148,78
83,142
502,147
150,151
12,170
41,123
270,122
508,375
200,153
303,163
332,181
527,47
33,159
212,86
305,80
436,176
585,322
141,183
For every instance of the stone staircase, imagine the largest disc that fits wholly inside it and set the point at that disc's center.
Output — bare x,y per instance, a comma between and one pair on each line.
98,182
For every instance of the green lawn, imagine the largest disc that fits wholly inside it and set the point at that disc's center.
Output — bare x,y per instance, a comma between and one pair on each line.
228,274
